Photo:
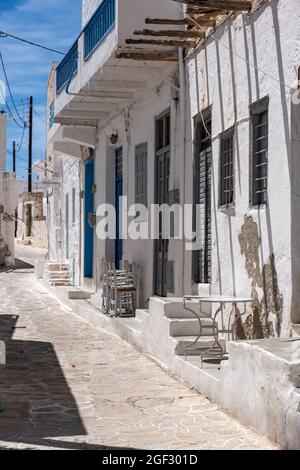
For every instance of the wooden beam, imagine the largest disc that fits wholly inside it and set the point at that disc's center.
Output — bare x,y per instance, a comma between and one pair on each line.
170,56
64,121
161,42
171,33
185,21
236,5
211,15
203,22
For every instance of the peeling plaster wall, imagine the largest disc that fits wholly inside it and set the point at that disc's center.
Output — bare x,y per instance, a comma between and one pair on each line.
252,253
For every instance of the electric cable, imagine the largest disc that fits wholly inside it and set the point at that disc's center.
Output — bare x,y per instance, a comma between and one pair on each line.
4,35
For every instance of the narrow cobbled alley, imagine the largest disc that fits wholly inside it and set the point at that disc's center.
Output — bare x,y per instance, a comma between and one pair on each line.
69,385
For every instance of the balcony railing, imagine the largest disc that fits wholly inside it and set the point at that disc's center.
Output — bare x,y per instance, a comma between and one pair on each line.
98,26
96,29
67,68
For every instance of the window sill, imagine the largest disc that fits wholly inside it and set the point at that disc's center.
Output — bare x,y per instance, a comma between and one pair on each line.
261,207
228,209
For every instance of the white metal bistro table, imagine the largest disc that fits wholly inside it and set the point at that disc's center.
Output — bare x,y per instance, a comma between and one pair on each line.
216,351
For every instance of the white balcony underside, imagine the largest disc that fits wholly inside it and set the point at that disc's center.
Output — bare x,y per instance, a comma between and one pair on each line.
105,85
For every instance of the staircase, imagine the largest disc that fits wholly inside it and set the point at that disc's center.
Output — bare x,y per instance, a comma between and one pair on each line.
58,274
295,329
184,328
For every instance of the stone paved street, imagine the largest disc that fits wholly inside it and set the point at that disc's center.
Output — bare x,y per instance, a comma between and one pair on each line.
69,385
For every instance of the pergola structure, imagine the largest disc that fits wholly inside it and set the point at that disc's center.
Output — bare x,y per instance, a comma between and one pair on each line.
201,16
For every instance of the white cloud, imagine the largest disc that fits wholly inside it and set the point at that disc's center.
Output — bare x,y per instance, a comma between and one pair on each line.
55,25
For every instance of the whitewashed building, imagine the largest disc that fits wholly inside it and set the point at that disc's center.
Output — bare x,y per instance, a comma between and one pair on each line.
9,192
117,105
113,98
63,181
202,109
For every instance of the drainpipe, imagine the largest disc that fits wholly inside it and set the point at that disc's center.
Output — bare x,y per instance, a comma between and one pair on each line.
182,108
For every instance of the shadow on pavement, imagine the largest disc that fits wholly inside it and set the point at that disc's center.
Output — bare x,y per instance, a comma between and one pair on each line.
36,399
19,265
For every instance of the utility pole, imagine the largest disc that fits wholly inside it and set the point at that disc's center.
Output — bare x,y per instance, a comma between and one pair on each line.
30,145
14,157
15,171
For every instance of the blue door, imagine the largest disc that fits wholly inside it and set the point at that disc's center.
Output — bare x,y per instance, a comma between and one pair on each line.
88,217
118,194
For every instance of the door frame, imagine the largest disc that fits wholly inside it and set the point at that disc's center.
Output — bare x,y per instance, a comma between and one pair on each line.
118,193
199,276
89,206
158,153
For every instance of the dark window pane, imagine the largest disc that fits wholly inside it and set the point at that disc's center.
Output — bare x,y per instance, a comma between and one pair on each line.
226,169
260,129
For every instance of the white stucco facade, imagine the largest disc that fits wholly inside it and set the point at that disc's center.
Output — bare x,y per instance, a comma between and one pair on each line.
247,59
254,250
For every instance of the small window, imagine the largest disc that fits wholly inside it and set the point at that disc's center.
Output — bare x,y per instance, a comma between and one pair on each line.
73,206
163,132
260,144
141,174
226,168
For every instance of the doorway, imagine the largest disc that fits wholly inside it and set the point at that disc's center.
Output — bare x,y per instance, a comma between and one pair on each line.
162,176
88,218
202,261
118,195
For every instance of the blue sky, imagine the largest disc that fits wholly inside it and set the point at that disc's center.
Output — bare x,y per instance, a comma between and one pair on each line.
53,23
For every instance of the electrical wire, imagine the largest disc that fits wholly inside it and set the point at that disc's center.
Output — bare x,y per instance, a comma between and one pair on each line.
4,35
211,35
9,89
39,116
22,139
9,110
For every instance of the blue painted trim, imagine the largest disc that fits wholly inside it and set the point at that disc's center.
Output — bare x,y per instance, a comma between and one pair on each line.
88,208
87,58
98,26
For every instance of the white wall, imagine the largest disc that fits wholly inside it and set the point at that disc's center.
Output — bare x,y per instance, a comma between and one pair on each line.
70,181
88,9
251,248
9,200
142,130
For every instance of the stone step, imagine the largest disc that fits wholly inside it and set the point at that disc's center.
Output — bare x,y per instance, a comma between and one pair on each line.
57,267
142,314
176,310
295,329
78,294
190,327
131,323
204,343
